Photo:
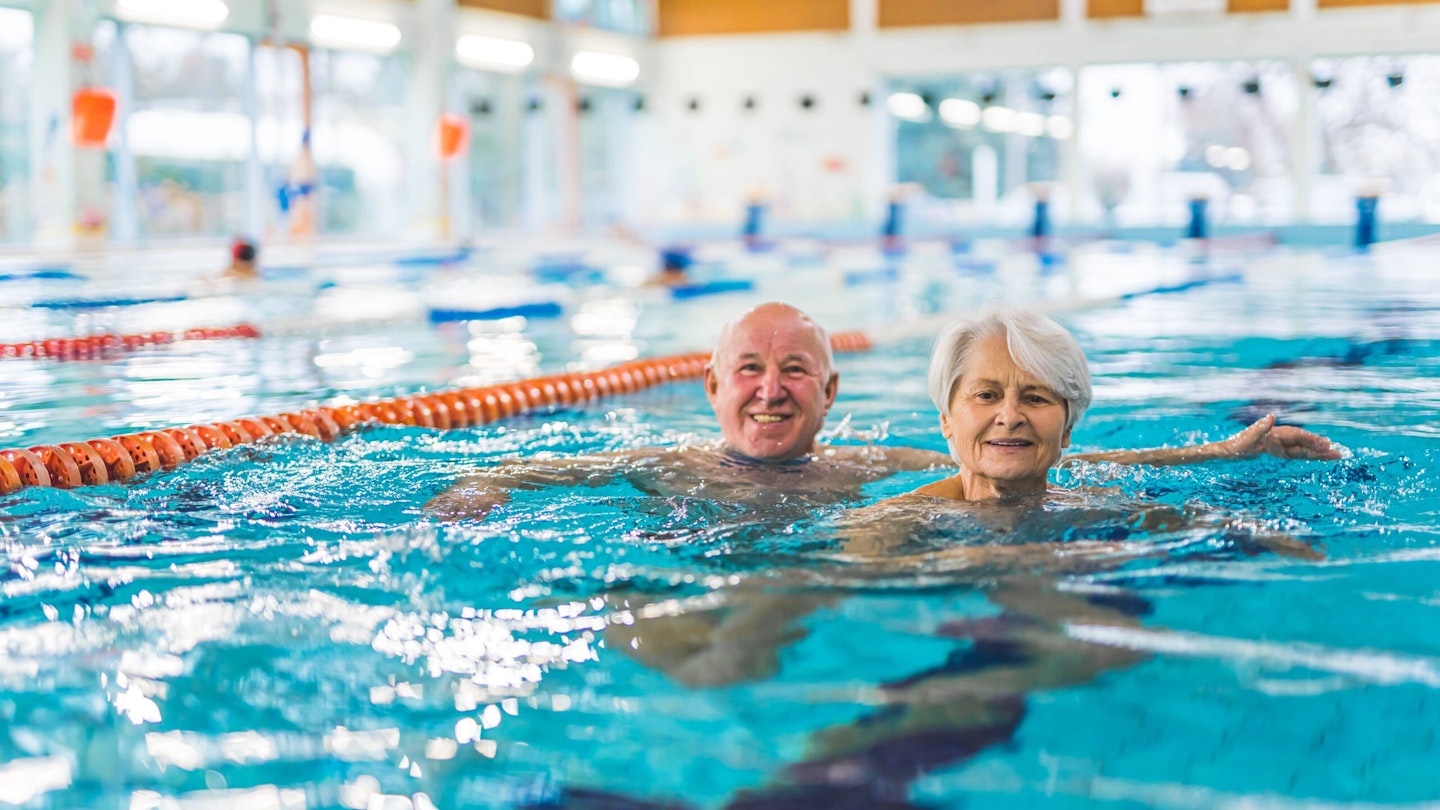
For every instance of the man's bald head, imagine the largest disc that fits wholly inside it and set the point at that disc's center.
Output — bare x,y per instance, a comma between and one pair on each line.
780,318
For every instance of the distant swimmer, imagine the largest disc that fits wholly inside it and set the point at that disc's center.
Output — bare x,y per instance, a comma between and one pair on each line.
771,382
675,264
243,261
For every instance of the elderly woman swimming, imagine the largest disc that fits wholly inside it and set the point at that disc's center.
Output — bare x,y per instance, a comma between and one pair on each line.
1010,386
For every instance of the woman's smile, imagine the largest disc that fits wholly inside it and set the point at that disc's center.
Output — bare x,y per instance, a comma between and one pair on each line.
1006,425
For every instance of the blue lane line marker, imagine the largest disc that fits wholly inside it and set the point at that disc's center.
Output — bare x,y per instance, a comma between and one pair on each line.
42,274
285,271
1185,285
544,309
573,272
683,291
433,260
98,303
855,278
983,267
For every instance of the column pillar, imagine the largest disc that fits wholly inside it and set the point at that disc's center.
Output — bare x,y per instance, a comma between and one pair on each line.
1302,156
1071,172
876,167
125,201
431,51
52,159
257,191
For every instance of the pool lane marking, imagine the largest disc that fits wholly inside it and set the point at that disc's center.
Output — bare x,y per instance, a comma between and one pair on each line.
105,344
100,303
120,458
1382,668
1182,286
930,326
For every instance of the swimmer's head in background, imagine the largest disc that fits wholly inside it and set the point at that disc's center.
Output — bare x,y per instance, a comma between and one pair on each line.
242,250
676,259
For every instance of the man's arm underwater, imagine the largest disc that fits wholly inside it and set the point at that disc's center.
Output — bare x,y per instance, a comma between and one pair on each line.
473,497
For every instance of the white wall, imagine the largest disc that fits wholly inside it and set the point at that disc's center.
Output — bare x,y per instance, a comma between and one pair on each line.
702,166
808,164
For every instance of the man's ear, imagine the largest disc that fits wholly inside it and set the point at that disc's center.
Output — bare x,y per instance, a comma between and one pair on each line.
831,389
712,383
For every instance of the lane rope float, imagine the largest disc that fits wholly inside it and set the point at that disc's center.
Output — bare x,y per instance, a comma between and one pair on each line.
120,458
104,345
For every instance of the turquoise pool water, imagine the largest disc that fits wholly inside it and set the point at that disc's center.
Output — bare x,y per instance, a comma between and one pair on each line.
282,625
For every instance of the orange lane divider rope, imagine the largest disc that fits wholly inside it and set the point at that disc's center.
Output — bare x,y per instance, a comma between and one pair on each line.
105,345
120,458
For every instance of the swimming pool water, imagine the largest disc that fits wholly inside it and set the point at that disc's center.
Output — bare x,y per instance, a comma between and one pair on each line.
283,626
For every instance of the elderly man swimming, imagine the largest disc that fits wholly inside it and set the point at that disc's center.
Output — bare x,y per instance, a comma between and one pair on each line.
771,381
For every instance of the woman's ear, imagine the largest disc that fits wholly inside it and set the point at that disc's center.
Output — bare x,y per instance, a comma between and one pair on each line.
945,426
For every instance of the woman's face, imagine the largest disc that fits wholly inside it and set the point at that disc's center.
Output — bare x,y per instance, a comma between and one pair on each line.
1006,426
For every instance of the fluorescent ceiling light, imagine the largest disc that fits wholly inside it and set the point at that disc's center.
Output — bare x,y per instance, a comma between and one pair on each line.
1030,123
17,29
186,13
999,119
907,106
957,112
491,52
604,68
1059,127
350,32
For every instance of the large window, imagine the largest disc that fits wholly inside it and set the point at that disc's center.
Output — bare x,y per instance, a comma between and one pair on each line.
605,115
1155,136
983,140
186,128
359,127
1379,131
17,54
497,104
624,16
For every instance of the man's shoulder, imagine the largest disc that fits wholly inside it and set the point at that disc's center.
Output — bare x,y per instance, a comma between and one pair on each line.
907,458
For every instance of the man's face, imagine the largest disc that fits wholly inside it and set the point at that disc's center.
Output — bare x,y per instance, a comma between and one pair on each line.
769,384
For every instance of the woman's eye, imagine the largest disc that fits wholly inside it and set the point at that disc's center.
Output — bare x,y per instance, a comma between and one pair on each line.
986,396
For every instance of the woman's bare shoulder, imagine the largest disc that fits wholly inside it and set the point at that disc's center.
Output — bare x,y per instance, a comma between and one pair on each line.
951,488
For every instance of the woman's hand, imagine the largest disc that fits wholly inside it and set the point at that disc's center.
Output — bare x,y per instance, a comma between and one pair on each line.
1281,441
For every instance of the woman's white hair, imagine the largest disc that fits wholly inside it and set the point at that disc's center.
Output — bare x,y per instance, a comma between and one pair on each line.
1037,344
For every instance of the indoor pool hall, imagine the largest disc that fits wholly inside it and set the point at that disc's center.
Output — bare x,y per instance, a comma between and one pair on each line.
716,404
